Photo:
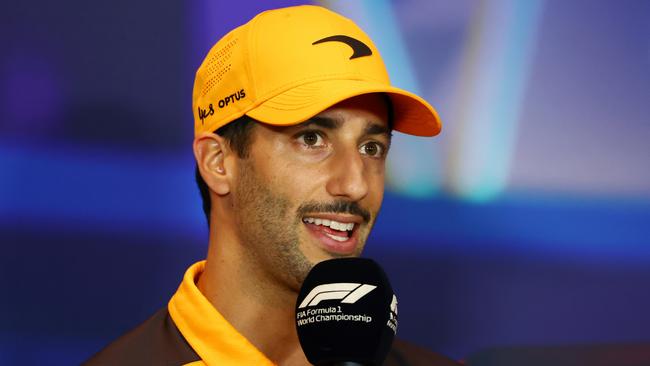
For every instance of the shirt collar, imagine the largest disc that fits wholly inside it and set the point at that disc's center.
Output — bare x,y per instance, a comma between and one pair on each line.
211,336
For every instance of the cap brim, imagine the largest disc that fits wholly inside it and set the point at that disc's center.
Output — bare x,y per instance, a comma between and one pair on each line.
412,114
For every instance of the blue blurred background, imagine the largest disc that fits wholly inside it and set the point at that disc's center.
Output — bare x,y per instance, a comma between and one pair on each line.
525,223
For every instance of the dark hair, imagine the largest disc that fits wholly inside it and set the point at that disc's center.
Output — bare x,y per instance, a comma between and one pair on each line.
238,137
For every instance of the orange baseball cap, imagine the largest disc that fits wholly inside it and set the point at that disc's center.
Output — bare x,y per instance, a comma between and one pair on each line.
286,65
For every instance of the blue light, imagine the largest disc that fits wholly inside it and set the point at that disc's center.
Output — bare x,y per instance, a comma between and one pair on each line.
495,74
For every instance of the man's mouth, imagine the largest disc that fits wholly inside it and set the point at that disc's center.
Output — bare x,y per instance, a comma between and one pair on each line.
338,236
339,231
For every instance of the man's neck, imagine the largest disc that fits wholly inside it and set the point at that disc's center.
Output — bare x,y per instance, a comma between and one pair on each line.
258,308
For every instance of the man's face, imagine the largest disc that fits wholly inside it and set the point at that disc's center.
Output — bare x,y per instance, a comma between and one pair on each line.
312,192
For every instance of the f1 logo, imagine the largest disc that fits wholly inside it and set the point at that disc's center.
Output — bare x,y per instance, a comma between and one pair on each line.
348,292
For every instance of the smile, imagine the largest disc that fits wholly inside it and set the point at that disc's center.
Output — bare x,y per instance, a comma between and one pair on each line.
335,235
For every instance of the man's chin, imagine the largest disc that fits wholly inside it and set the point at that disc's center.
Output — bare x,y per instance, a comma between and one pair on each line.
318,254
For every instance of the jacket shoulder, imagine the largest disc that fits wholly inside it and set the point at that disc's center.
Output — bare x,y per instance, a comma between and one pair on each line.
157,341
407,354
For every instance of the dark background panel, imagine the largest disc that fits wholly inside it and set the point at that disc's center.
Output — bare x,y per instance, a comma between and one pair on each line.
99,215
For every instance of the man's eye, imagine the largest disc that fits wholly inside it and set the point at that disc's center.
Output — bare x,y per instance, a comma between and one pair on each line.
373,149
311,139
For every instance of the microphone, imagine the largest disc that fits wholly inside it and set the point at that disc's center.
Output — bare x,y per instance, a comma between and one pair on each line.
346,313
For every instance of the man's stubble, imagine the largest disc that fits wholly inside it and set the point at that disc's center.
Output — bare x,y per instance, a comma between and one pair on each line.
269,231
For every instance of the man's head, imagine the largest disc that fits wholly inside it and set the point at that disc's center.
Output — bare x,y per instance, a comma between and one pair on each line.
304,111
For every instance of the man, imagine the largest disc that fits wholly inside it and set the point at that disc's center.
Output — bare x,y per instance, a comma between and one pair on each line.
293,118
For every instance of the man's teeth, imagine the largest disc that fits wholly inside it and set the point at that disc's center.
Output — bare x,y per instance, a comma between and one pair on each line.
340,226
337,238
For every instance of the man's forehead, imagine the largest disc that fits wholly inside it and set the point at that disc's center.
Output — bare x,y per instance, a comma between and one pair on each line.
367,114
374,109
370,126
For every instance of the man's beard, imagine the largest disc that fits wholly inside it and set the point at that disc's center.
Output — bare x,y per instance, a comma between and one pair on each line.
268,231
269,226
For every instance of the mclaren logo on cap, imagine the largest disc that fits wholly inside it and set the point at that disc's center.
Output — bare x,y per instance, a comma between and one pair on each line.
359,48
349,292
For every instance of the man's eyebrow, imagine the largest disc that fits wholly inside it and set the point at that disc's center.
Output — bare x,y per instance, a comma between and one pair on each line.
334,123
377,129
324,122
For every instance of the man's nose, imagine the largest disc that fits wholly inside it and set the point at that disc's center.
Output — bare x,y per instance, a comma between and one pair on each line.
348,175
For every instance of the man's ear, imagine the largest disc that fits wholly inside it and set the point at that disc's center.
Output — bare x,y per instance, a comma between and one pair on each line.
211,152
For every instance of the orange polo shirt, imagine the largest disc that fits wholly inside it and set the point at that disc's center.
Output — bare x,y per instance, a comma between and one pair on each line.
215,340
